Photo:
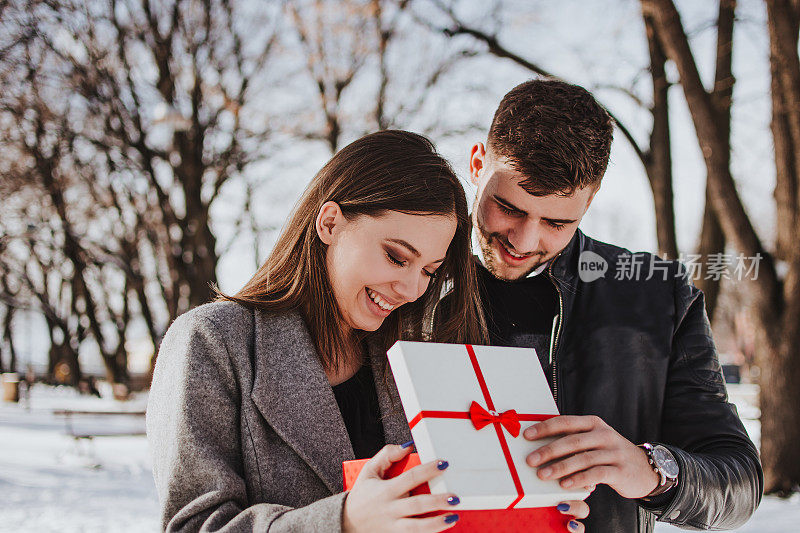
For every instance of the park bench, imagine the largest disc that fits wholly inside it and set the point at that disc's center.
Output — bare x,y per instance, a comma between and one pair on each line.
70,414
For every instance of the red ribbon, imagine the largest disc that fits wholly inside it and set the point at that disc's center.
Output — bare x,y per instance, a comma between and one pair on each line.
480,418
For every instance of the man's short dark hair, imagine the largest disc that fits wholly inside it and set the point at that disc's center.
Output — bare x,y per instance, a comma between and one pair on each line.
554,133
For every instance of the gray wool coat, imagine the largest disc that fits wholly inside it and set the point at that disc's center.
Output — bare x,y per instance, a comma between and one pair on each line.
244,430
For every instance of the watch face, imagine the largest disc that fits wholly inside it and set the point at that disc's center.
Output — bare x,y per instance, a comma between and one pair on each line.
665,462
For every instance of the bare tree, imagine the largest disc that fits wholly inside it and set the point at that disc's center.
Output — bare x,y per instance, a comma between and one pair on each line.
774,301
360,47
335,37
130,118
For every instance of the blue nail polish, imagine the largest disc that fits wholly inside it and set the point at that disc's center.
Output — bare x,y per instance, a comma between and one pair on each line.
449,519
441,465
563,507
573,525
407,444
453,500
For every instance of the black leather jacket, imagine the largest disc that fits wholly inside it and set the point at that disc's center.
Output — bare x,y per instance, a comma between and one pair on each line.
640,355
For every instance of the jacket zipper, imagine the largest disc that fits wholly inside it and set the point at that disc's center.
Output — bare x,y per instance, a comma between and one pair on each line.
555,337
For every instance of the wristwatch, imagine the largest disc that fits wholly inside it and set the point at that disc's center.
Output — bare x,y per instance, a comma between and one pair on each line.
664,464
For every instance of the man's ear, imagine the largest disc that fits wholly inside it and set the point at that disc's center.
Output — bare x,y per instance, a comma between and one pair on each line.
330,220
477,162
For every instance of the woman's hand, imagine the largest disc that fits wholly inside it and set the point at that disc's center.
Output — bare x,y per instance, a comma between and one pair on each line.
377,504
577,509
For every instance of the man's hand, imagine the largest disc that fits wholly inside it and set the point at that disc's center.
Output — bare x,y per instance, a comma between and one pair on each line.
588,452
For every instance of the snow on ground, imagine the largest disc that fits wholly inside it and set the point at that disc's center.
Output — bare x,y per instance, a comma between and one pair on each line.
48,482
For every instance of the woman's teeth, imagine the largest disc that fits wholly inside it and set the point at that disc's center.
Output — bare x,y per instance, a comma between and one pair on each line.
375,297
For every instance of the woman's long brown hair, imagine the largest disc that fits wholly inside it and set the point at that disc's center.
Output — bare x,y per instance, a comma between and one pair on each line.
389,170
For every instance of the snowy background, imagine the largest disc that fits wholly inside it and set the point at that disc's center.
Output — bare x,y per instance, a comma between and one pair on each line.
50,482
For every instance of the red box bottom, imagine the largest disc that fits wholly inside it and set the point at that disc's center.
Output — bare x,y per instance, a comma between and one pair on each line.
534,519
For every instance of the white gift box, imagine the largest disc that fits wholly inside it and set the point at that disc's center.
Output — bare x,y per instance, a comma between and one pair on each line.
438,384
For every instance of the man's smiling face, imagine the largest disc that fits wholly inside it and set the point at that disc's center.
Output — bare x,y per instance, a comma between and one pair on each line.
518,231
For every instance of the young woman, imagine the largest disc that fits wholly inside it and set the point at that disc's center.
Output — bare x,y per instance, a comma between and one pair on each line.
257,399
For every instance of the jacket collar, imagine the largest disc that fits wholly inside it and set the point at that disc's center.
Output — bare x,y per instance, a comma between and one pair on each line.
564,266
293,394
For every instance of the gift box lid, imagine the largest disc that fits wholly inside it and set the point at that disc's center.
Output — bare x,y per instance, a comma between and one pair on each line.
444,387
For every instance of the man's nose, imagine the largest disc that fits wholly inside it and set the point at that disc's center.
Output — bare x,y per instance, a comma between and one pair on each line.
524,237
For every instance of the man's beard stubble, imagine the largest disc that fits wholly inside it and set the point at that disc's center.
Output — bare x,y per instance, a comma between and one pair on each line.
485,240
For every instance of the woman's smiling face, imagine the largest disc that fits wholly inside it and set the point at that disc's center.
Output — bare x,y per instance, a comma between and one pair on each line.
377,264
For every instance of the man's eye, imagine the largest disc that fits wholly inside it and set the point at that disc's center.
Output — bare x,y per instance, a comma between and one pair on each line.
508,210
395,260
555,225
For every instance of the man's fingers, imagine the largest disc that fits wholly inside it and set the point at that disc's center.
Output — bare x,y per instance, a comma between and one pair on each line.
414,477
425,503
377,466
592,476
576,508
562,425
564,446
575,463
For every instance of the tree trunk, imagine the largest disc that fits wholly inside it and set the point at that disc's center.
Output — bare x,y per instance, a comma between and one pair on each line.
780,394
658,160
61,353
712,239
786,182
5,336
8,336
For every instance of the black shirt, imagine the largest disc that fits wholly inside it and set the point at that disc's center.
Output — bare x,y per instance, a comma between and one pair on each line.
358,403
520,313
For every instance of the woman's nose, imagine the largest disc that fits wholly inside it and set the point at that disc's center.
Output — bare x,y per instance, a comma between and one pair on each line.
411,286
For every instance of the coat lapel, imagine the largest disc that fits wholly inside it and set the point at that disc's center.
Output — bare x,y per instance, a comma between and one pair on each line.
293,394
395,426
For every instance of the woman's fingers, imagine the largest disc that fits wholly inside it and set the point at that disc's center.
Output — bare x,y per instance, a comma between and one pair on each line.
414,477
425,503
428,525
377,465
575,527
576,508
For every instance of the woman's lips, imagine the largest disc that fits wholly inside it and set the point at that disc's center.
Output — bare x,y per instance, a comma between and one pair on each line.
375,308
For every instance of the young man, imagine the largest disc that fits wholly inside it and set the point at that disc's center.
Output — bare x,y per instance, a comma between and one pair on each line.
623,337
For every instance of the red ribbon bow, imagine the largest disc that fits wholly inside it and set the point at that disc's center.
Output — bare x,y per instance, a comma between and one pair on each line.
481,418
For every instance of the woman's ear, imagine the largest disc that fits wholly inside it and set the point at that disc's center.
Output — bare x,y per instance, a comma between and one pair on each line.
329,221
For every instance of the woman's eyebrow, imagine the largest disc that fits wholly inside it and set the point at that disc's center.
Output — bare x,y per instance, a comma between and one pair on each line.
411,249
